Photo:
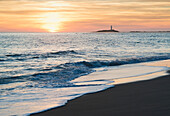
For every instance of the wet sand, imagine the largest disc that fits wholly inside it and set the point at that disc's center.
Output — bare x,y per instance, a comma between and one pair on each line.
144,98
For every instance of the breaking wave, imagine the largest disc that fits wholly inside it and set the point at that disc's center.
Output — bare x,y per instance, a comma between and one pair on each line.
60,75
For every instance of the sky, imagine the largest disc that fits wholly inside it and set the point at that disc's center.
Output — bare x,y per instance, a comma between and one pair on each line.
84,15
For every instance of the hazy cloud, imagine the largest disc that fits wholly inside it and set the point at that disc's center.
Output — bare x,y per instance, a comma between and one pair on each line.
90,14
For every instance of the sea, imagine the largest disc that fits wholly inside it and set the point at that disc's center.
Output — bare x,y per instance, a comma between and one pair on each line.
40,71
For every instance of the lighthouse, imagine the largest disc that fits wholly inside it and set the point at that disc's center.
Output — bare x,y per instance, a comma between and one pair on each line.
109,30
111,27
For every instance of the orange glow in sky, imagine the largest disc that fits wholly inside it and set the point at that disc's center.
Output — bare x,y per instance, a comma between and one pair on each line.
83,15
51,22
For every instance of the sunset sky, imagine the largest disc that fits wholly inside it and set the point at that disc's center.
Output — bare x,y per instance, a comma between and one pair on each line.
83,15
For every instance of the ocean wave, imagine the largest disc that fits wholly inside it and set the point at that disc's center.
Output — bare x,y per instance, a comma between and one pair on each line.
48,53
14,55
60,75
2,60
101,63
21,57
64,52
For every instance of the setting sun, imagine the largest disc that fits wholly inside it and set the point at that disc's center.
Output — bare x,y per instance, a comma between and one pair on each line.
69,16
52,22
54,51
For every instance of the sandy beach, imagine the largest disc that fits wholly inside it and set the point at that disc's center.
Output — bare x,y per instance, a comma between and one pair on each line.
144,98
84,58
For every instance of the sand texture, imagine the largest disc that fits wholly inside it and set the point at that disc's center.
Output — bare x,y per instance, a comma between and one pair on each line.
145,98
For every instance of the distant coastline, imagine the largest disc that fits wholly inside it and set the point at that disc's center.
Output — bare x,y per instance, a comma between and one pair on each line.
149,31
114,30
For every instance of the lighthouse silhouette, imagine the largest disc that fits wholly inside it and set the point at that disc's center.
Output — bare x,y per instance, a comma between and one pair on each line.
111,27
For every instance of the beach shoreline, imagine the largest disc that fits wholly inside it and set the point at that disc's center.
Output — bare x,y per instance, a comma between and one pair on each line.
143,98
55,68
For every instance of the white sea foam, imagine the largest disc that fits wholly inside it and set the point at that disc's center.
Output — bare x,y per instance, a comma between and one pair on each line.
125,73
39,71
